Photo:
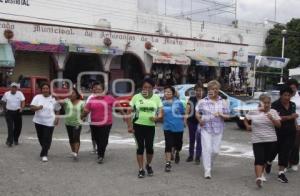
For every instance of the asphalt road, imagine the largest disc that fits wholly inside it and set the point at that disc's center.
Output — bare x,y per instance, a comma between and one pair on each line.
23,174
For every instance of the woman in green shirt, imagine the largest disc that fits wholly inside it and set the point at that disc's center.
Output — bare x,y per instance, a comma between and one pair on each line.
147,108
73,108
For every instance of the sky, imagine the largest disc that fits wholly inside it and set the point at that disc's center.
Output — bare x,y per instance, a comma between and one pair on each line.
87,10
249,10
258,10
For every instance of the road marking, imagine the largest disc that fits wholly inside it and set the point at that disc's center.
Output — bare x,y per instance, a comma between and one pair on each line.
227,148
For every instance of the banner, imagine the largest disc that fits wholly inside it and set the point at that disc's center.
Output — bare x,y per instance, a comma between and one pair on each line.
274,62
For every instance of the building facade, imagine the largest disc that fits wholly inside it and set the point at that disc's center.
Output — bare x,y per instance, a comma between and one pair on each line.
143,43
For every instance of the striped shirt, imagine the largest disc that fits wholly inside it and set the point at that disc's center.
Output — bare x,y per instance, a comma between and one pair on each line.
263,129
208,109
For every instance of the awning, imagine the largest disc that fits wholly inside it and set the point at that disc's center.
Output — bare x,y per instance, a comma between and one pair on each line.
233,63
7,58
205,61
169,58
94,49
38,47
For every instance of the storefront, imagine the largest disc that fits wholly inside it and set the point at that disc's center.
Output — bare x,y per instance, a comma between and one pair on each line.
203,69
7,63
35,59
168,68
66,51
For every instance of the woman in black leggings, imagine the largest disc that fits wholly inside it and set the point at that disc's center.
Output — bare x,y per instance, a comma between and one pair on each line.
147,108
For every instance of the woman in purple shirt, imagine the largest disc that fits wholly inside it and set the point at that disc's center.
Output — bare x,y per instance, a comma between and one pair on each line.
211,112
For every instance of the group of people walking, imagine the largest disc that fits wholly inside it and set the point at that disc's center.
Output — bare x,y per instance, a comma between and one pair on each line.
203,114
275,131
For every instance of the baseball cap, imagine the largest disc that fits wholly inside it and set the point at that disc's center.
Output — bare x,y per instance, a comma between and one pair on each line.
14,84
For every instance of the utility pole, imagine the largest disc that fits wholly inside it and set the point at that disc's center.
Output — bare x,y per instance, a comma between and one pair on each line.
191,9
275,15
235,13
165,7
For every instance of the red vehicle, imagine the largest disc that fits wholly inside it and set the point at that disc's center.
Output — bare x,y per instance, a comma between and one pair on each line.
30,86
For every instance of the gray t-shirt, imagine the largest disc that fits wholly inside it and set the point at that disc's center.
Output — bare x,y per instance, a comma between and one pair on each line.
263,129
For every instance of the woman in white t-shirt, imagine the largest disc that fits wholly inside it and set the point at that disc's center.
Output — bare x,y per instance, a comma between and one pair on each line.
263,123
45,107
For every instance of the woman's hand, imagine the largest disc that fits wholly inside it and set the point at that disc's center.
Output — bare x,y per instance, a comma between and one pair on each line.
154,118
130,129
56,121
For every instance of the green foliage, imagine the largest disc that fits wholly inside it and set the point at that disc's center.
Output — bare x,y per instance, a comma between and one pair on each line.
292,42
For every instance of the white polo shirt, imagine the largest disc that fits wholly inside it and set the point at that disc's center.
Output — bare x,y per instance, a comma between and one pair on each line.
13,101
296,100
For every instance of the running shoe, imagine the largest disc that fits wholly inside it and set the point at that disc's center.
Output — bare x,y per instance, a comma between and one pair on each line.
142,173
259,182
207,175
100,160
294,168
9,144
177,158
282,178
189,159
168,166
44,159
268,168
149,170
75,157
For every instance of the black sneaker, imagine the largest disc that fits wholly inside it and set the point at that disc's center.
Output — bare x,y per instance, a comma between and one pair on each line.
141,174
16,143
100,160
189,159
9,144
282,178
197,161
149,170
177,158
268,168
168,166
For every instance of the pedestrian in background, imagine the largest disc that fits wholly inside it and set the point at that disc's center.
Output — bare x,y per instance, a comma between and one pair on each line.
294,157
263,134
73,107
147,109
286,133
211,113
45,107
173,125
192,124
14,103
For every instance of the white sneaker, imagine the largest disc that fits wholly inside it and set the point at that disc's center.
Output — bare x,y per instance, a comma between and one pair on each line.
207,174
263,178
259,182
294,168
44,159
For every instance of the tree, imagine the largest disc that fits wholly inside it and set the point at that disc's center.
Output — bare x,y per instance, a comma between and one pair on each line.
292,43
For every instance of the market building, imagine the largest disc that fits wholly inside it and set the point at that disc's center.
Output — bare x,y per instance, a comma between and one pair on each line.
171,55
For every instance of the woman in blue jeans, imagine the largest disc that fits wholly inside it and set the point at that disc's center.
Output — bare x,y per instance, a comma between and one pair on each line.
192,124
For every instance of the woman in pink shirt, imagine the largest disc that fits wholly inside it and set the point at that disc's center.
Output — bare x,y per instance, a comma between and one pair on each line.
100,108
